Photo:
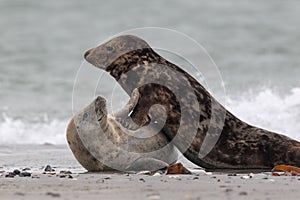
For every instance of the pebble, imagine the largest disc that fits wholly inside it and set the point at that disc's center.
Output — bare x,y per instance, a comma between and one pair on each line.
245,177
243,193
10,175
25,174
26,169
153,197
16,172
20,193
49,173
144,173
65,172
35,176
228,190
143,180
48,168
232,174
53,194
158,173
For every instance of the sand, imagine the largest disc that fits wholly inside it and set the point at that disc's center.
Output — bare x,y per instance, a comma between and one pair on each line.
83,185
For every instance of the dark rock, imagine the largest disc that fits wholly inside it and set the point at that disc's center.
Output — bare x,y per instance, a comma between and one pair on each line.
25,174
10,175
232,174
48,168
16,172
143,180
26,169
61,175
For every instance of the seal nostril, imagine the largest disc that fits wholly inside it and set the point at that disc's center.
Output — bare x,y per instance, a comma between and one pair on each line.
87,53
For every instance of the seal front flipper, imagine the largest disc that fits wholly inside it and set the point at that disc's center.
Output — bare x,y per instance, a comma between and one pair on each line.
123,116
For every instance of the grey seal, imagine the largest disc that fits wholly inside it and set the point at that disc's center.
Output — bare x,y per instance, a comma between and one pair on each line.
134,64
100,141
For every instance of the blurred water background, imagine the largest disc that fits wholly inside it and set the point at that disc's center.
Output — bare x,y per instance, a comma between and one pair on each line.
255,44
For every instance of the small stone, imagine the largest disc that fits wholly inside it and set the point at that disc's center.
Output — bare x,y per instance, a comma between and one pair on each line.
245,177
232,174
20,193
49,173
143,180
48,168
107,178
195,178
251,175
10,175
144,173
16,172
26,169
158,173
153,197
65,172
53,194
177,168
70,176
228,190
243,193
35,176
61,175
25,174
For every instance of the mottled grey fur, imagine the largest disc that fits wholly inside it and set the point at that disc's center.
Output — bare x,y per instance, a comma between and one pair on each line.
132,62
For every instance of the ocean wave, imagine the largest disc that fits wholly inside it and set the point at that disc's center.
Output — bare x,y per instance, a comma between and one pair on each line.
20,131
270,110
267,109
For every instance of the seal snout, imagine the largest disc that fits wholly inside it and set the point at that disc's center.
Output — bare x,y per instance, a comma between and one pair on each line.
87,53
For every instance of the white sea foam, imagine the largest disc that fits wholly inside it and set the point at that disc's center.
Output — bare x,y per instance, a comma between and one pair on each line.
270,110
266,109
19,131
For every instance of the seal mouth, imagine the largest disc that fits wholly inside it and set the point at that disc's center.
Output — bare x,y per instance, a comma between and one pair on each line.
87,53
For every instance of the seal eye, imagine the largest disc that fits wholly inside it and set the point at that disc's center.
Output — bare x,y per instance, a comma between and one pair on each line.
110,48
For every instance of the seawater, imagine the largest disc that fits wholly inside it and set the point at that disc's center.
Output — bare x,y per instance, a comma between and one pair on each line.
255,44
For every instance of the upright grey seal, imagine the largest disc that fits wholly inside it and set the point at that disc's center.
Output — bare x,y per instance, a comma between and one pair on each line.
134,64
100,143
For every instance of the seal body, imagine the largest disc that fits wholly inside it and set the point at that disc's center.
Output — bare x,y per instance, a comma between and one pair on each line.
192,113
101,143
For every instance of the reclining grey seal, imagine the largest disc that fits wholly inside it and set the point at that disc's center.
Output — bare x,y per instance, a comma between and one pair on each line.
101,143
134,64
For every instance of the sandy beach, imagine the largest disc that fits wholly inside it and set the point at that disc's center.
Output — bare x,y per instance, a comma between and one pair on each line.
83,185
116,186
